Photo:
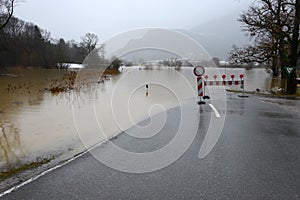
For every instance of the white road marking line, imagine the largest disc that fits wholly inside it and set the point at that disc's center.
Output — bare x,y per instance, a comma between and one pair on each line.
215,110
72,159
38,176
55,167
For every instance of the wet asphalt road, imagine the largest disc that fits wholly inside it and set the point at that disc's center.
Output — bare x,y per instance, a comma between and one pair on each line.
256,157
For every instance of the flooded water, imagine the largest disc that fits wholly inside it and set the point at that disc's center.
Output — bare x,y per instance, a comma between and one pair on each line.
35,122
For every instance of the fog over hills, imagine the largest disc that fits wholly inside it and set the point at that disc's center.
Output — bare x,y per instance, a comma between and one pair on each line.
155,44
218,35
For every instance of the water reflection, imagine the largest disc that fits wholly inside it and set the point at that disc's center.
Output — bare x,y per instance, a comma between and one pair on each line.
10,144
236,105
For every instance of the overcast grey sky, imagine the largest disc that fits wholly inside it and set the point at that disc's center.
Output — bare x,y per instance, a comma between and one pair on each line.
71,19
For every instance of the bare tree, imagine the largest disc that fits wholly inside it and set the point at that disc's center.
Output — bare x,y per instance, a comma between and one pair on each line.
89,42
6,12
273,25
274,28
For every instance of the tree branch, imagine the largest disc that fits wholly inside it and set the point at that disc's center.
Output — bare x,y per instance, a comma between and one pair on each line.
10,10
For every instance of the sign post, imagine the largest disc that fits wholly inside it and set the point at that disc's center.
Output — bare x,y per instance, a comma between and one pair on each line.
289,70
243,85
199,72
291,83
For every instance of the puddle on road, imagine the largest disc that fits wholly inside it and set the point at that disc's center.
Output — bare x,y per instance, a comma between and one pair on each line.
290,106
283,127
277,115
37,123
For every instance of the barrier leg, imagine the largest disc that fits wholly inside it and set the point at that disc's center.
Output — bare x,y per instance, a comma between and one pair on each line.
243,95
205,96
201,102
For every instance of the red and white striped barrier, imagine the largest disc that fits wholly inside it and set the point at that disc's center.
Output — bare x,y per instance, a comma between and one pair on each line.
200,86
224,82
199,71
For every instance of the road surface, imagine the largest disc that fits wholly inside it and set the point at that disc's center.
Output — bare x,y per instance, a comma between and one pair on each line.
256,157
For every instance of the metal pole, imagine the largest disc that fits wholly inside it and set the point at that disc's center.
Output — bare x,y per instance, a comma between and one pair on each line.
243,84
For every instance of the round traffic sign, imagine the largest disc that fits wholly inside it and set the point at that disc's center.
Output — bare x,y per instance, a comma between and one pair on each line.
199,71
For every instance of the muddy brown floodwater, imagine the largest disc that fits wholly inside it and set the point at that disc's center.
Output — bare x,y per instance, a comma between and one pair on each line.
35,122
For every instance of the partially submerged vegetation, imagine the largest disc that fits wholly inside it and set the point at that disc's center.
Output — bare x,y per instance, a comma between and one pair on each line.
15,170
66,84
111,72
58,81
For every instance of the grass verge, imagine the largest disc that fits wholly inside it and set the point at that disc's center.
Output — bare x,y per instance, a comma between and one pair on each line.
264,94
13,171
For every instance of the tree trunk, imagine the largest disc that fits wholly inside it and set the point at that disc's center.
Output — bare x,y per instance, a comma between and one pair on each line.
293,58
275,67
295,37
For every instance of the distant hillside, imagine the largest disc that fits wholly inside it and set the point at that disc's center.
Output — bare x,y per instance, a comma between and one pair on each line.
160,44
218,35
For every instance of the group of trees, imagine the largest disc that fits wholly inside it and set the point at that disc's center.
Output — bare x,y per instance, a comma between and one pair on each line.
171,62
273,26
25,44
